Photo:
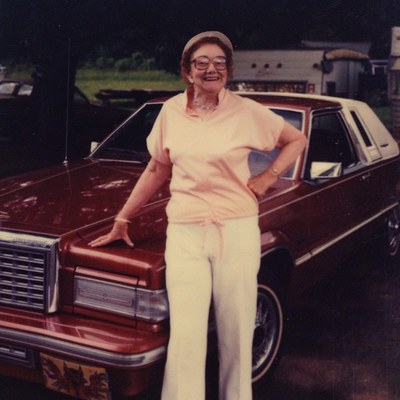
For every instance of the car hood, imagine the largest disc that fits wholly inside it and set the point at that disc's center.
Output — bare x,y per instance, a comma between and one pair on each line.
59,200
64,198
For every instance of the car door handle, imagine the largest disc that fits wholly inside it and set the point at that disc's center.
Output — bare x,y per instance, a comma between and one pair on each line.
366,176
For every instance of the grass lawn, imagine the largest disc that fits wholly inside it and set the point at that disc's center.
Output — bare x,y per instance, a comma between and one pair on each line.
91,81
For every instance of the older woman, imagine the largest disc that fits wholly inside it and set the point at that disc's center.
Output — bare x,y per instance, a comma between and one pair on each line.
202,138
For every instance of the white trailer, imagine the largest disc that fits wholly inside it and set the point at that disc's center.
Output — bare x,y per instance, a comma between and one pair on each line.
333,71
394,80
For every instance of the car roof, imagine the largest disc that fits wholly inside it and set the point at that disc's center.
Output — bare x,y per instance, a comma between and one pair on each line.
314,103
292,100
297,100
19,81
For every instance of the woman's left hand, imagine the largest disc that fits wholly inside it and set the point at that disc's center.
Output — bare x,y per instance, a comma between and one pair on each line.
260,184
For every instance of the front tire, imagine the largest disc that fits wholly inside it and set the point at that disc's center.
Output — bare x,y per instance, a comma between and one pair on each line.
268,332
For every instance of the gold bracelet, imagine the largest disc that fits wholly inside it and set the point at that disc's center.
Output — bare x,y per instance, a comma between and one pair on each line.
120,219
275,172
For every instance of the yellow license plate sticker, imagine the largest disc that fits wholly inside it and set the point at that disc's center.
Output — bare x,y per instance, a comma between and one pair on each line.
75,379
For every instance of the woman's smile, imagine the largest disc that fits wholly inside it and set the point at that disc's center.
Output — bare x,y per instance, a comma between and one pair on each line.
210,79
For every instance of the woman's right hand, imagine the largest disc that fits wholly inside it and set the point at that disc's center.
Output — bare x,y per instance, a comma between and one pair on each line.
153,177
118,232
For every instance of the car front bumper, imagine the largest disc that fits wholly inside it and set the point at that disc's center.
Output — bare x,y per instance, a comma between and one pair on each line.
132,359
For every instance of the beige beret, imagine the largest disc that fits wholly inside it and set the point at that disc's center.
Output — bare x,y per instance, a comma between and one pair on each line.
208,34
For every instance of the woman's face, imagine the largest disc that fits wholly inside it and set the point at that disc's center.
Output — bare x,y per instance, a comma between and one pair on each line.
210,80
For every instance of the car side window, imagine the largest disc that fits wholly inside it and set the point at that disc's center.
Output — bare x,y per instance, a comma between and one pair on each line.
25,90
329,142
259,161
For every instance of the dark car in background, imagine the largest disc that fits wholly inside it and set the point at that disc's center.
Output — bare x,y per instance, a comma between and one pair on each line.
19,114
91,321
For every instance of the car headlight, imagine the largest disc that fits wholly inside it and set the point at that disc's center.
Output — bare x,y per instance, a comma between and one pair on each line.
149,305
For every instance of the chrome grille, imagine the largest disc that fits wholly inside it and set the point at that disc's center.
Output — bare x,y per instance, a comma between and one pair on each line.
28,271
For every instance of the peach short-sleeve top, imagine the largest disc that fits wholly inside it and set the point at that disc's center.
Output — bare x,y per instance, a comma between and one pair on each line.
209,155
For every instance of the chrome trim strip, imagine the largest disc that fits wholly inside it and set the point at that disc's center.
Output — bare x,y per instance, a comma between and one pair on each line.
303,259
85,353
52,295
357,174
325,246
26,240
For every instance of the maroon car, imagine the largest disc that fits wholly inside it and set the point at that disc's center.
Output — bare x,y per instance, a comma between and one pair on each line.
91,321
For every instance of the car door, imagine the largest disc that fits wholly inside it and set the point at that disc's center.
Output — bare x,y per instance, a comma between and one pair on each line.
337,207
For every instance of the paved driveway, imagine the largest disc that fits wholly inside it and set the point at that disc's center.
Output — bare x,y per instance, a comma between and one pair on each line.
344,342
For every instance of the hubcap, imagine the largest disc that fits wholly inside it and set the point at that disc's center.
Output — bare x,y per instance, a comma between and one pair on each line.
394,231
267,332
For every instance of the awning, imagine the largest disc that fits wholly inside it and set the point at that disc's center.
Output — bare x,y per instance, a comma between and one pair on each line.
345,54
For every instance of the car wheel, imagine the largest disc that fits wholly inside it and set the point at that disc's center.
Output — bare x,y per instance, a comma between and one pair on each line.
393,231
268,332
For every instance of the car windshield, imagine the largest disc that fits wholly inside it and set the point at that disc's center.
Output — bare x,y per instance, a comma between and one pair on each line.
7,87
128,143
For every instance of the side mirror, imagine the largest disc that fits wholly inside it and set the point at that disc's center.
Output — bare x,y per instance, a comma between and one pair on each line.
325,170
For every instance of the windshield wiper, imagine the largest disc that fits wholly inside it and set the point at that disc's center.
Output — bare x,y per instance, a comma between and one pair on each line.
118,154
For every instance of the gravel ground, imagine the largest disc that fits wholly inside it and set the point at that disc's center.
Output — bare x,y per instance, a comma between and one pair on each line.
343,343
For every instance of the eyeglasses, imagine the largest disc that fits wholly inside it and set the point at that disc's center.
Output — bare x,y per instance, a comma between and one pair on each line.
203,62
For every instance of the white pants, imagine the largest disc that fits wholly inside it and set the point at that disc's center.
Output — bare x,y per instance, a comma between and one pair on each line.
205,262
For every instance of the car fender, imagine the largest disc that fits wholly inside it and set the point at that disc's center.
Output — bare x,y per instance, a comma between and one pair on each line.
276,258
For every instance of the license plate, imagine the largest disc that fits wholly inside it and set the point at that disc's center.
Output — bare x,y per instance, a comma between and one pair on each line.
83,381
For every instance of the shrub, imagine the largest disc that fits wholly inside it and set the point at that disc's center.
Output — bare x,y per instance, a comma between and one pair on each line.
104,62
123,64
